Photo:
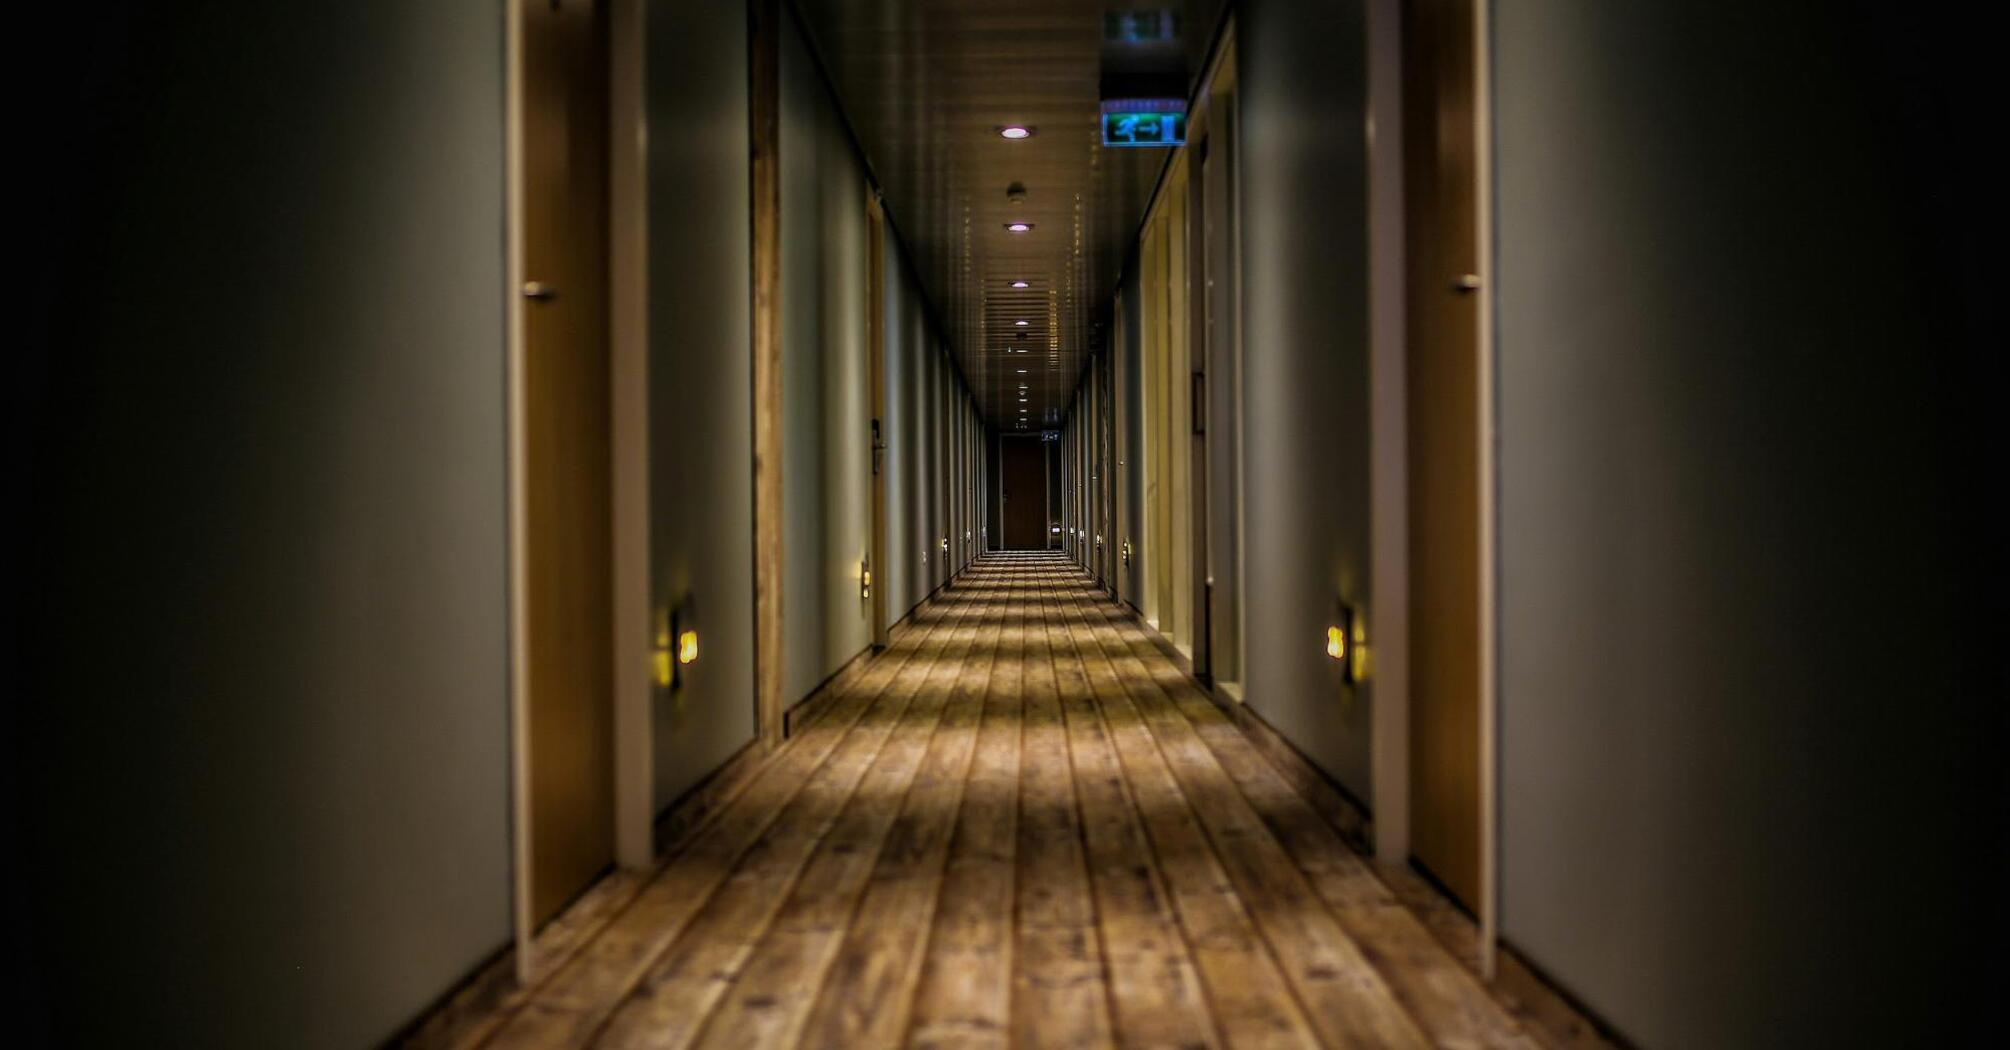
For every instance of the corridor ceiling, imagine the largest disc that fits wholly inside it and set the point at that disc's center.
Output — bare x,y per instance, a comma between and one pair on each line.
927,86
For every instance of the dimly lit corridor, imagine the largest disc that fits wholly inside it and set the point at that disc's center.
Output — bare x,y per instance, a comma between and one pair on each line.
1007,524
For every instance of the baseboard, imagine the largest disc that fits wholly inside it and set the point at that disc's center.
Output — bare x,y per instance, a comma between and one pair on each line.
1339,807
702,801
811,707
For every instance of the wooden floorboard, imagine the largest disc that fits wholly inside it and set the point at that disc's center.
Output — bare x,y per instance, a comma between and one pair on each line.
1059,997
1020,825
1155,992
863,997
963,992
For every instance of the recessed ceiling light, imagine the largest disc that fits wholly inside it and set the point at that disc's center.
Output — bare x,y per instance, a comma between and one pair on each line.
1022,371
1015,132
1019,227
1021,284
1022,324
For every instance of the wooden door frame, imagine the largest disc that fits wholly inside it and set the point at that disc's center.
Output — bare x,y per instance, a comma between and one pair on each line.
1389,459
627,239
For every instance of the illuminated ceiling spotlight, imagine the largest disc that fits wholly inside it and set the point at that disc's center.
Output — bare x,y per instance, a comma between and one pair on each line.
1021,284
1022,324
1019,227
1016,132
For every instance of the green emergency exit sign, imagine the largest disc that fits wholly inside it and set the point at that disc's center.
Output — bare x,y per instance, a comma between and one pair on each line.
1144,122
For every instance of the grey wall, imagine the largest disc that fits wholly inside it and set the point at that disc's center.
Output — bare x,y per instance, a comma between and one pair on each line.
926,400
1742,560
1305,339
262,747
827,460
700,382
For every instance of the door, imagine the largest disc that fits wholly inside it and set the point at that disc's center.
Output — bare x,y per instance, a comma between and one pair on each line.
567,540
1022,492
1220,352
1444,446
875,343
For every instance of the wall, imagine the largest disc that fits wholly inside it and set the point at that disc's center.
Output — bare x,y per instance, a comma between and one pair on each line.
700,379
1305,333
827,454
928,402
1742,555
261,788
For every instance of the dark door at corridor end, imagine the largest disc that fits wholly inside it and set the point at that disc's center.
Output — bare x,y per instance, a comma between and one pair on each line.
1022,491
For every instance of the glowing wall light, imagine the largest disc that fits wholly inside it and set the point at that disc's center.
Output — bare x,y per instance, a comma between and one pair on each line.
1344,643
676,646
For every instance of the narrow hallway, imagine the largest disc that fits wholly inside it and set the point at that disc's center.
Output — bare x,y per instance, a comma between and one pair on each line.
1021,822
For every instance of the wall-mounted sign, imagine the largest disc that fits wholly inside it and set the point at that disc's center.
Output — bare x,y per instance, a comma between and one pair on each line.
1144,26
1144,122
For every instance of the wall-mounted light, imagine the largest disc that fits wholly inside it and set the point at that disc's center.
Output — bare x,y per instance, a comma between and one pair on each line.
1126,552
1344,643
865,579
676,646
661,668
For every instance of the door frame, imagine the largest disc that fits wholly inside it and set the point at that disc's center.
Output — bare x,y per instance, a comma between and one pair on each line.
627,240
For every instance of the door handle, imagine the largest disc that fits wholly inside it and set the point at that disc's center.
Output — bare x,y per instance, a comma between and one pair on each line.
538,291
1467,283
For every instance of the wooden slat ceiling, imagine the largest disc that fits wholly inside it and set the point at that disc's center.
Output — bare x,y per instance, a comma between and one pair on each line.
926,85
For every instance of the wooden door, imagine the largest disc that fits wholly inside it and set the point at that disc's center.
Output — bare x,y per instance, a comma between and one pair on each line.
1444,445
1022,492
567,542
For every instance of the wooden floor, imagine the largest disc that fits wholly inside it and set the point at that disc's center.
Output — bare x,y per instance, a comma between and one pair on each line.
1021,825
